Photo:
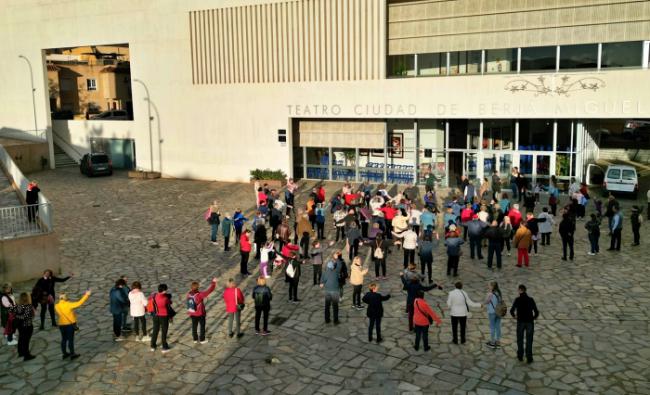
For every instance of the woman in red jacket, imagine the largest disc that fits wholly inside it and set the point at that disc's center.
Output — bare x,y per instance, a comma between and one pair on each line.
423,316
244,250
233,297
196,309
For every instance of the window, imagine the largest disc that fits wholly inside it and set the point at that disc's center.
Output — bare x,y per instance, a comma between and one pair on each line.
564,135
501,60
621,54
629,175
579,56
535,135
614,174
91,84
465,62
401,66
538,58
432,64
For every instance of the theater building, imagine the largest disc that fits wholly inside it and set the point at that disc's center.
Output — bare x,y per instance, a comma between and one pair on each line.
350,89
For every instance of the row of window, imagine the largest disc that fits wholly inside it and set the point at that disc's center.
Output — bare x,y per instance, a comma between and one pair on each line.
515,60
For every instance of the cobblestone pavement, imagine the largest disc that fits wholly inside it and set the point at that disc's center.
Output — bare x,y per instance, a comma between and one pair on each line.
592,335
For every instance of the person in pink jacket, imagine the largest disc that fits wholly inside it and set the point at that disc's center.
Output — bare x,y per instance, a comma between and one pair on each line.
196,309
233,297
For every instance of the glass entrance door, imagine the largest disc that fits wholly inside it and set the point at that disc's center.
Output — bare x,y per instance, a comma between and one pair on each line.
536,167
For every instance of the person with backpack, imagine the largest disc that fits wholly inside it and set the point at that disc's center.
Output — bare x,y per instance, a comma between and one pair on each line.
496,310
459,303
7,301
226,228
244,251
593,233
330,284
379,249
68,322
195,301
423,316
262,297
43,294
214,220
375,311
23,313
160,306
116,306
137,305
292,277
233,298
525,311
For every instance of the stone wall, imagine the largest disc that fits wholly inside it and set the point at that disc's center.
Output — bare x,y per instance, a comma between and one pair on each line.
26,258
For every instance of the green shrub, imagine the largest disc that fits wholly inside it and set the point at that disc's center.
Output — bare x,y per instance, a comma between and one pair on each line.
268,174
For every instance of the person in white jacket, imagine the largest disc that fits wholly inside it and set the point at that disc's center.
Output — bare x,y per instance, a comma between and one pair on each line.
546,226
459,303
137,309
265,255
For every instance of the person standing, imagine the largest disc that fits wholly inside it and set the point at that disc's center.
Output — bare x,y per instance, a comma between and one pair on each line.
492,300
412,286
593,233
423,316
304,230
525,311
244,251
196,309
317,261
459,303
214,220
553,198
320,221
330,283
7,301
260,239
648,196
409,245
426,254
379,249
567,229
226,228
496,185
615,229
494,235
31,198
117,304
635,219
68,322
353,236
233,297
522,241
475,229
137,304
292,276
238,220
375,311
162,313
513,183
545,223
453,243
23,312
612,204
507,233
43,294
262,297
342,268
357,272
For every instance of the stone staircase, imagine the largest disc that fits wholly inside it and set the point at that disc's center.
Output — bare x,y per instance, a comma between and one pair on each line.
62,159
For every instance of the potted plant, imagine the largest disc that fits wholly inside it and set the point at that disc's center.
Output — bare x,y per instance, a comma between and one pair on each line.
273,178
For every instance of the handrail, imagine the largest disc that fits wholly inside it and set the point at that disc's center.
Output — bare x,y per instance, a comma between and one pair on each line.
19,221
56,136
20,183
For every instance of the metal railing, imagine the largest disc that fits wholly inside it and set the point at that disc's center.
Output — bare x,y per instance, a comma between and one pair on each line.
14,174
23,220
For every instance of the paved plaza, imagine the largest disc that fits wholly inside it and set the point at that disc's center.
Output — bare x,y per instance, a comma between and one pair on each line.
592,336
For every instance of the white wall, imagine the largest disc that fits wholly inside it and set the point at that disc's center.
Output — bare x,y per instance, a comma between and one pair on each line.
223,131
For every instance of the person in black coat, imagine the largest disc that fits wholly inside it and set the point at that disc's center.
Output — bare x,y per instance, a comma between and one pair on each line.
412,287
525,311
31,198
566,230
375,311
43,294
260,239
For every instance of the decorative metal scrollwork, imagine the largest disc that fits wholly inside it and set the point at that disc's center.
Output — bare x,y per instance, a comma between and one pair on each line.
540,85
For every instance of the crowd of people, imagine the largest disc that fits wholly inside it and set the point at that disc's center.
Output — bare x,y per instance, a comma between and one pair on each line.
367,225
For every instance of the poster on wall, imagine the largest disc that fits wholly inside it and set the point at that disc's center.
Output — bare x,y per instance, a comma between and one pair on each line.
396,145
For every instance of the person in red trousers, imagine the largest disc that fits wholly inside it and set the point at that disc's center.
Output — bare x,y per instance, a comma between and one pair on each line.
522,240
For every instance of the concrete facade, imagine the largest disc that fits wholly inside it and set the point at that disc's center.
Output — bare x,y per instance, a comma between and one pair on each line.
223,130
25,258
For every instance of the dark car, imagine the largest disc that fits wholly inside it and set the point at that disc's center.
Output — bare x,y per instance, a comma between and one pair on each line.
96,164
63,114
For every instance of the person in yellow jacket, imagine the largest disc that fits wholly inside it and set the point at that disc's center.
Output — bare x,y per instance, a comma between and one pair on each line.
68,322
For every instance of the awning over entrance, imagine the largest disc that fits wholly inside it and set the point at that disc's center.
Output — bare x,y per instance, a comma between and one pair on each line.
346,134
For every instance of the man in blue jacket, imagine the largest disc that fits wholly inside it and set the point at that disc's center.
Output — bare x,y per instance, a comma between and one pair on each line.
117,305
330,283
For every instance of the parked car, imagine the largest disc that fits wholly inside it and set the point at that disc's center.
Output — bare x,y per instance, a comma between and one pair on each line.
63,114
113,115
96,164
637,130
619,179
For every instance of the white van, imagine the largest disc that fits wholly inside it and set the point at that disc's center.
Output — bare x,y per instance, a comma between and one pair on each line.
621,178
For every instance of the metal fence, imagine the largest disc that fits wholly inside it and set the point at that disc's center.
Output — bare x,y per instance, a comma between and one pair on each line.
23,220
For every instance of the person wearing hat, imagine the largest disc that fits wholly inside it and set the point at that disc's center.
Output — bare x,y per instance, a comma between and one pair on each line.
330,284
475,230
453,243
